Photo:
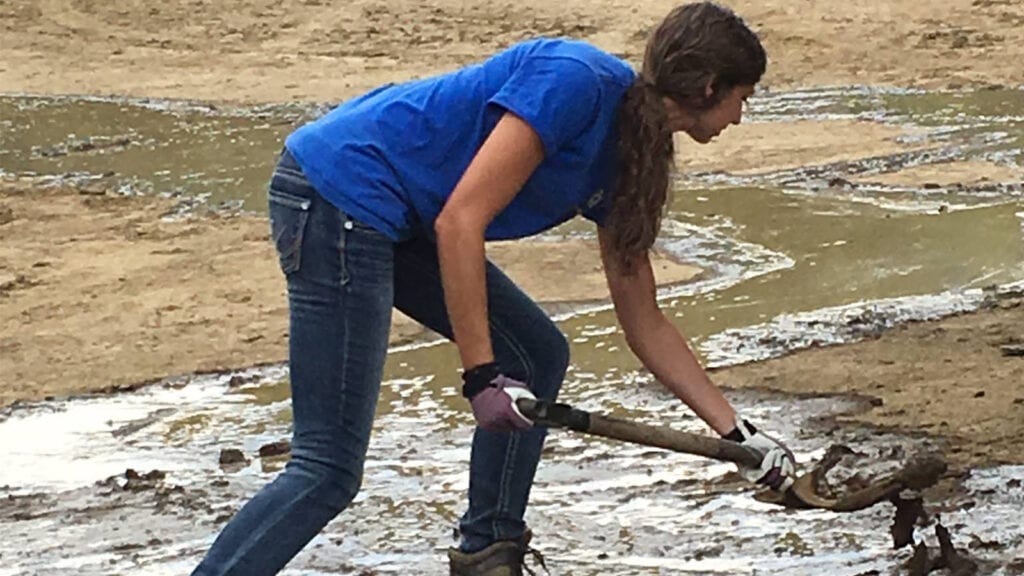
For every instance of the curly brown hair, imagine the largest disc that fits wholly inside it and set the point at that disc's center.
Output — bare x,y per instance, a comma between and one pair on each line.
696,44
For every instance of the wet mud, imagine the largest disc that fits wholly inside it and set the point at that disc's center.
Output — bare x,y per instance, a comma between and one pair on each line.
599,507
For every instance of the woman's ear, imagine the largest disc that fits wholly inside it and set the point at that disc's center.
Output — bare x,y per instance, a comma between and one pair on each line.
709,88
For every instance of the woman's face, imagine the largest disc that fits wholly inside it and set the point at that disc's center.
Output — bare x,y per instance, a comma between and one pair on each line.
704,125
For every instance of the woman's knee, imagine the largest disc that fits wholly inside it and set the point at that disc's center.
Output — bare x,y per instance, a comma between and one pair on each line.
338,480
541,360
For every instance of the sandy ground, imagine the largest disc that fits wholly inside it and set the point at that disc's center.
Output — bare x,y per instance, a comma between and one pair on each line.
278,50
948,378
762,147
968,173
97,292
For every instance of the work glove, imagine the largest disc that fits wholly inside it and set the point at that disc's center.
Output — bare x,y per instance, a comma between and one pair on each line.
778,466
493,397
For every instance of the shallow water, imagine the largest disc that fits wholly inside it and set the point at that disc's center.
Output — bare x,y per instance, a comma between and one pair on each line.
599,507
789,262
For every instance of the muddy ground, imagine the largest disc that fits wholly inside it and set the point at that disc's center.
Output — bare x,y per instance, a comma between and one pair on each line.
98,292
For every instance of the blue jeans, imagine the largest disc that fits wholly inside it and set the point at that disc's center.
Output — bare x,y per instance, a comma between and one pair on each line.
343,280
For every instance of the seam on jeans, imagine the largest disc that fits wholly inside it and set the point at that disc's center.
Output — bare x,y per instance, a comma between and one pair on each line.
522,356
505,483
288,199
343,290
241,553
507,470
342,245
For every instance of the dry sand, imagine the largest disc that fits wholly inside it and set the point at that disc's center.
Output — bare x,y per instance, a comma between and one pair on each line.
281,50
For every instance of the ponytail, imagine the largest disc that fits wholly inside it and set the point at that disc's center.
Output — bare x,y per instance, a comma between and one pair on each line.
645,157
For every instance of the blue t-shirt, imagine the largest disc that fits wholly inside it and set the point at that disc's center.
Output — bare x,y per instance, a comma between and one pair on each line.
392,157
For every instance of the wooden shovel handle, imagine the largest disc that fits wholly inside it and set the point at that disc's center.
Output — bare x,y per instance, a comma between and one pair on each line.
552,414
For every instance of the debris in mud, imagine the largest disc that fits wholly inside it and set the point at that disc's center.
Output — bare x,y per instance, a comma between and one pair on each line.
923,563
141,423
275,449
133,481
6,214
792,544
12,282
834,456
84,145
920,564
850,476
239,380
908,512
230,456
958,563
1012,349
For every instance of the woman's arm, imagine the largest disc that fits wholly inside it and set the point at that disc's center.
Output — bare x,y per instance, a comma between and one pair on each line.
503,164
659,344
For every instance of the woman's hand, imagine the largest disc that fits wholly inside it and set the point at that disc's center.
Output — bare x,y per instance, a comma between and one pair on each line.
778,466
493,397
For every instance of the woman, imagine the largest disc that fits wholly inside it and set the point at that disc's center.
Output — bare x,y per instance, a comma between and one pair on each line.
387,201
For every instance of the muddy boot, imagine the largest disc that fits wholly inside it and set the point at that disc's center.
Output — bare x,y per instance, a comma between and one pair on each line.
504,558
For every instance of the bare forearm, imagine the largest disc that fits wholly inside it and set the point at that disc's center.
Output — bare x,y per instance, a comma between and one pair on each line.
664,351
461,253
506,159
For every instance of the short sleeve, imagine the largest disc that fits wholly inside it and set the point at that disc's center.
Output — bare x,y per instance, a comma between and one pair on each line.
598,206
557,97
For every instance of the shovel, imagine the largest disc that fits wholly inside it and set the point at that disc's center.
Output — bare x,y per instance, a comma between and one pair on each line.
917,474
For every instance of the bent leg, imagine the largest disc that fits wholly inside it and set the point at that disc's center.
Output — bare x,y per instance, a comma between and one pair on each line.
528,346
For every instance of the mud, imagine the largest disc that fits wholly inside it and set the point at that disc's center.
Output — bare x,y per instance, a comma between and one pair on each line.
599,507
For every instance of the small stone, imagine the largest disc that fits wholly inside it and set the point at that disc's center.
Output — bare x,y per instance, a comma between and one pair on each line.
275,449
6,214
231,456
979,394
1012,350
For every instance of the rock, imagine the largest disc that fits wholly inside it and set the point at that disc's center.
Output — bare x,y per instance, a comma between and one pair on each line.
1012,349
135,482
231,456
919,564
6,214
275,449
958,564
907,513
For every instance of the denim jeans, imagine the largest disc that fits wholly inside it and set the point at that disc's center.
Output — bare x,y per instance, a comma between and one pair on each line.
343,280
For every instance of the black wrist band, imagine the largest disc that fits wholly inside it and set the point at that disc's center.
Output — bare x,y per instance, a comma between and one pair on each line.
736,435
476,379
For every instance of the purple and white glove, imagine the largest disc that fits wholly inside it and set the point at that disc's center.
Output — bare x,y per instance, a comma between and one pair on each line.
493,397
778,466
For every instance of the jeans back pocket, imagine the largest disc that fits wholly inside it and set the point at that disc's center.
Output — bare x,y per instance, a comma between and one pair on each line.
288,216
